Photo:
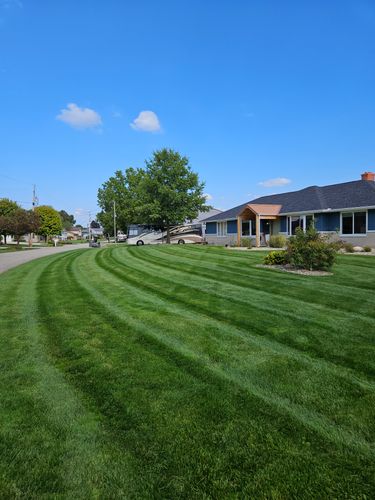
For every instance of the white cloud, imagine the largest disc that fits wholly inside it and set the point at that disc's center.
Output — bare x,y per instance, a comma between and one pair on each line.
79,118
208,196
278,181
146,121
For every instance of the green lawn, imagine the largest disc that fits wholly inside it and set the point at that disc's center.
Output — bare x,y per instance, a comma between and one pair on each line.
14,248
186,372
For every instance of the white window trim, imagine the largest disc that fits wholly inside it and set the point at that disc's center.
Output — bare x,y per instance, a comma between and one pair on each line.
250,235
303,217
225,226
354,235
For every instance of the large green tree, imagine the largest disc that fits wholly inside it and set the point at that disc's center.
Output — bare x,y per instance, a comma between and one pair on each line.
123,189
68,221
6,208
170,192
50,221
20,222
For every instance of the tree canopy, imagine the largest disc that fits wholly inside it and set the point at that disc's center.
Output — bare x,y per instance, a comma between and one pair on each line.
68,221
122,188
171,192
7,206
50,221
20,222
165,193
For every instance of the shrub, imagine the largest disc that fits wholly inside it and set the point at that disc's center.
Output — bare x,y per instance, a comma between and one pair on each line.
338,244
246,242
277,241
276,258
367,248
311,250
348,247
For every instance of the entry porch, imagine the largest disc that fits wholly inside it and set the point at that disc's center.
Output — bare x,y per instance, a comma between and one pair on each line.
257,213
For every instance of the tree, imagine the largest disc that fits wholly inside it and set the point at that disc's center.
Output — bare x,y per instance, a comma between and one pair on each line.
6,208
50,221
122,188
20,222
94,224
170,192
68,221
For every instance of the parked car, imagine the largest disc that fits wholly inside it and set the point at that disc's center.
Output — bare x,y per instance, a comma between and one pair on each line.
94,243
121,237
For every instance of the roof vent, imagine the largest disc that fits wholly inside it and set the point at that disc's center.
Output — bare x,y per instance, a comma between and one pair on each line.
368,176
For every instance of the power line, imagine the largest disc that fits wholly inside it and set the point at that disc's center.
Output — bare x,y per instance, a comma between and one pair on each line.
16,180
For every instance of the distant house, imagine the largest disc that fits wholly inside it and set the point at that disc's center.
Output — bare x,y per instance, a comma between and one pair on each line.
347,209
92,232
74,233
204,215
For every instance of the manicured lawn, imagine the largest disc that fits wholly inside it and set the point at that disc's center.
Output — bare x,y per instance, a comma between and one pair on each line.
14,248
186,372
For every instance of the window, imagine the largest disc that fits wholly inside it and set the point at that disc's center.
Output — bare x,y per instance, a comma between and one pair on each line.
245,228
222,228
294,223
354,222
309,221
359,222
347,223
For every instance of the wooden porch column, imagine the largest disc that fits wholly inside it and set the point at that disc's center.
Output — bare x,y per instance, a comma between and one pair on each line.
239,230
257,230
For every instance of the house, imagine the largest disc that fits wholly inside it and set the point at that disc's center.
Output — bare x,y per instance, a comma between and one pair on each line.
204,215
92,232
346,210
74,233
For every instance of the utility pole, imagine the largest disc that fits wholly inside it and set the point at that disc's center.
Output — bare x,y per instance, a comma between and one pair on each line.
114,220
34,203
89,226
35,198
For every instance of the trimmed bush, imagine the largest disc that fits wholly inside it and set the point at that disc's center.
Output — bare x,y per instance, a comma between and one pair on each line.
276,258
367,248
277,241
311,250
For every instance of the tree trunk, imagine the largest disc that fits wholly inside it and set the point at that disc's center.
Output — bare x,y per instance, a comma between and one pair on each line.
168,233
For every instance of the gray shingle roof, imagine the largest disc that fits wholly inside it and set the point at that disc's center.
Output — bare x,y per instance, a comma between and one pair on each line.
353,194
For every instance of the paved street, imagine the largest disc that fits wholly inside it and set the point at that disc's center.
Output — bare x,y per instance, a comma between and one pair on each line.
13,259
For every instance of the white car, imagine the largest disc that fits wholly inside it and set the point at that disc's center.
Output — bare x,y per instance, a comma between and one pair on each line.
178,234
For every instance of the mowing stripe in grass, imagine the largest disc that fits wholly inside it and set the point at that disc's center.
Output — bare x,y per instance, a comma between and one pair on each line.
53,411
257,387
264,279
259,317
157,395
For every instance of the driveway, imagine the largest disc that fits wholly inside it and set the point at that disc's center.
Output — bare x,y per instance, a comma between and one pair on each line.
13,259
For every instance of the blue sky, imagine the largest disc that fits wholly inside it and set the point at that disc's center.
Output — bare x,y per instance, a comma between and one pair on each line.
251,91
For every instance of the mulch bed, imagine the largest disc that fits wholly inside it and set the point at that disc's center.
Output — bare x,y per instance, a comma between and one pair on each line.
293,270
